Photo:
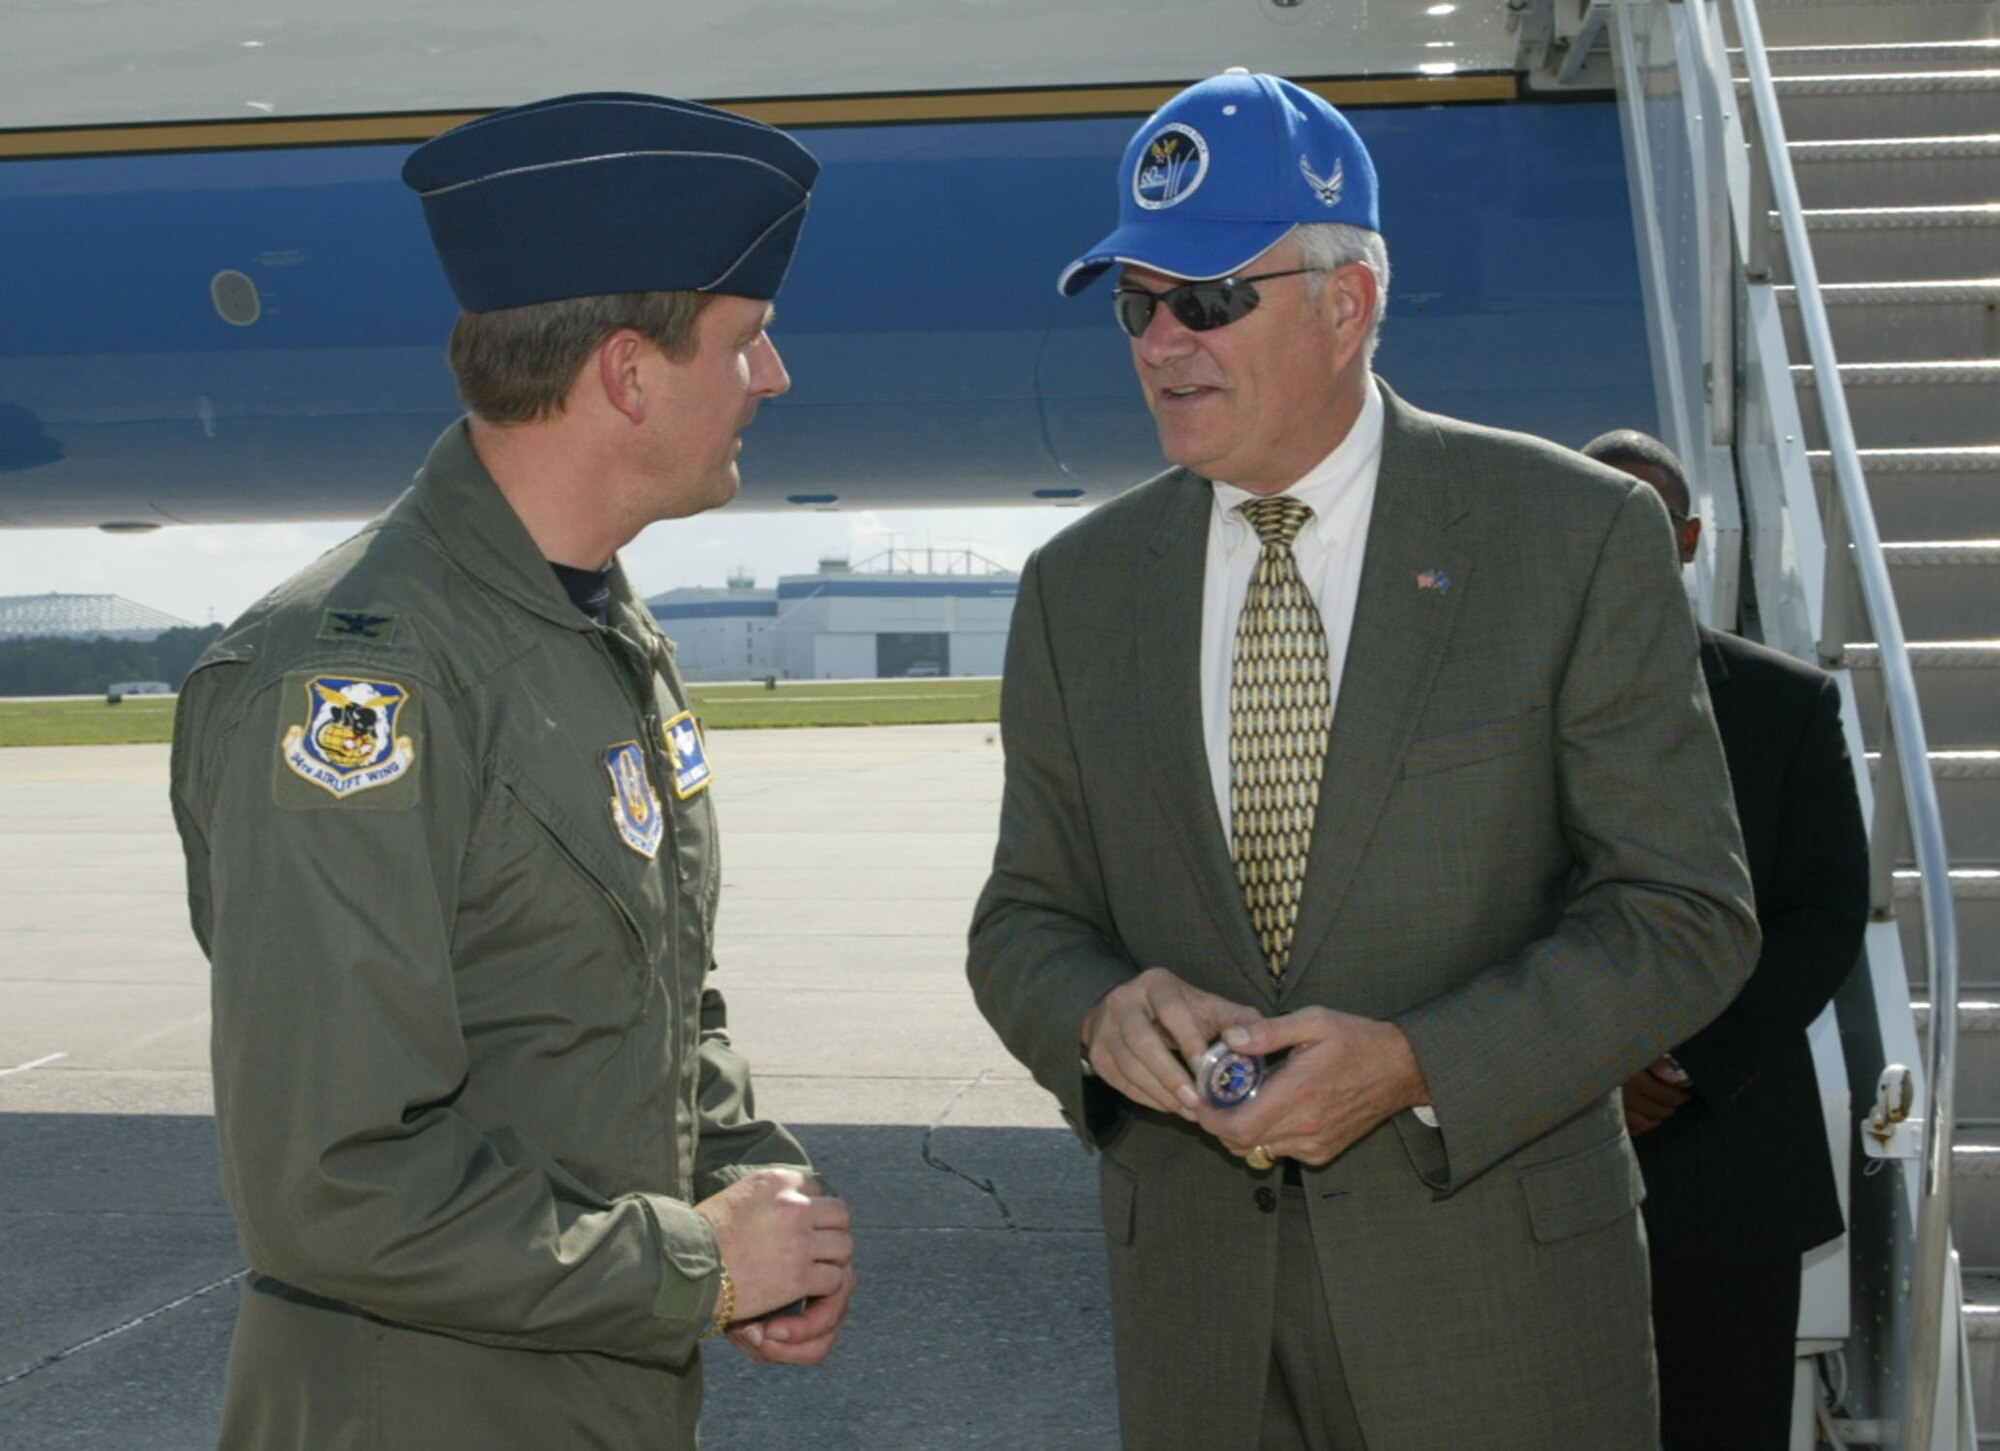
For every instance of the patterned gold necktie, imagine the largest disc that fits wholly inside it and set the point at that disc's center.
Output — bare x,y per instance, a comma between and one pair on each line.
1280,710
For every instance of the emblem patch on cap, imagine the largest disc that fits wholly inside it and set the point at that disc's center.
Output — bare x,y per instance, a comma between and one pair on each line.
635,805
1171,166
689,756
349,741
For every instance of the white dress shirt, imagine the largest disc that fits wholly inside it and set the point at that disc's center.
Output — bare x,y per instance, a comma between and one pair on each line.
1340,490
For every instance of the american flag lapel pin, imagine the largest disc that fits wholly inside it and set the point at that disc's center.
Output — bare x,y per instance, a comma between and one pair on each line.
1435,579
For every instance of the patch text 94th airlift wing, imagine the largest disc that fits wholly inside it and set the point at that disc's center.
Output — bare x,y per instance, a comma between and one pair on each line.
348,743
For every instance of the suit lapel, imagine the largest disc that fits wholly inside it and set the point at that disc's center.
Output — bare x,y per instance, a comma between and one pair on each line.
1166,622
1401,626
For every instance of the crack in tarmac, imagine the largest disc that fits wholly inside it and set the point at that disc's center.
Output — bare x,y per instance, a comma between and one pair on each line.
36,1367
986,1186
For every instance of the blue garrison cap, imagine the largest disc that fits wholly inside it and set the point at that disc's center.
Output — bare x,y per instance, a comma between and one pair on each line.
1222,171
609,192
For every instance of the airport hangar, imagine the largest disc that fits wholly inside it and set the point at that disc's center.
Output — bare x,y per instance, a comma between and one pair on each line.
879,619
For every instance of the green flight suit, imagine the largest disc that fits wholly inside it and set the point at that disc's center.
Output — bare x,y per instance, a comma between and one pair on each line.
452,857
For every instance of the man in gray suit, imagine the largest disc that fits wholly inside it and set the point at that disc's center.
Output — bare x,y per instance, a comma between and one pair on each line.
1377,740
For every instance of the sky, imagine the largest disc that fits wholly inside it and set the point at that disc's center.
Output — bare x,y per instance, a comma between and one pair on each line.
212,573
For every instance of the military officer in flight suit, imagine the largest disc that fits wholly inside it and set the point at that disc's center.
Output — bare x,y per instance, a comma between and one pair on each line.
452,854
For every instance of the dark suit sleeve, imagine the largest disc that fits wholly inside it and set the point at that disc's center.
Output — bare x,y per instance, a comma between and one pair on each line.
1657,932
1041,952
1812,905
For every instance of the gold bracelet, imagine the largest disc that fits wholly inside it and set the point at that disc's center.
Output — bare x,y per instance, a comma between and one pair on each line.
725,1303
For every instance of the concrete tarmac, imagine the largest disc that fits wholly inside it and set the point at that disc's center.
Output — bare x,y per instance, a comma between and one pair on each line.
850,862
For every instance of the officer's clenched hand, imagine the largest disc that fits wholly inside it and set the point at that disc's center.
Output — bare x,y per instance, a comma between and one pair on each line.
1142,1035
785,1240
804,1338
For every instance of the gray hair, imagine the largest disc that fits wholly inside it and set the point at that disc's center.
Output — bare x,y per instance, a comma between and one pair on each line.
1324,246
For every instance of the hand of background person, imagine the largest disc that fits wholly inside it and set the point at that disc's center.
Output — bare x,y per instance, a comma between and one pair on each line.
1345,1075
1142,1035
784,1239
805,1338
1652,1096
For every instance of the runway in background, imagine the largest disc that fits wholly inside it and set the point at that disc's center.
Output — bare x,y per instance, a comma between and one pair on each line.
850,862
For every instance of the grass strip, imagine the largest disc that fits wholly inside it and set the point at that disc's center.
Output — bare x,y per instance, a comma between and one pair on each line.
87,721
148,720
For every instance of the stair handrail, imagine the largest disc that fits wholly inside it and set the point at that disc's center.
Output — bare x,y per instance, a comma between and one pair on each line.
1852,517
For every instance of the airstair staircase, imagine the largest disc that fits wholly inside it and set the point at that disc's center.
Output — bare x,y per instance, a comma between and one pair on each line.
1892,118
1889,114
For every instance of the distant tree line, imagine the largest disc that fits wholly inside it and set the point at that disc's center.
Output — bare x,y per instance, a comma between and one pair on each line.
53,666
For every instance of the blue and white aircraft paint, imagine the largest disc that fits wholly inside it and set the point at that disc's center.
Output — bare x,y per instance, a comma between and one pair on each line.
218,303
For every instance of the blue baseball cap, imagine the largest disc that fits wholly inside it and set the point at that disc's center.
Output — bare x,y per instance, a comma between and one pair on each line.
1217,175
611,192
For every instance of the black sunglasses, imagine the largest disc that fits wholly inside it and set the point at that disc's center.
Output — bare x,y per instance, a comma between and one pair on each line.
1199,306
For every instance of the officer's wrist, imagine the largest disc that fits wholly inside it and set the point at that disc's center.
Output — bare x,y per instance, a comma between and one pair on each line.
725,1302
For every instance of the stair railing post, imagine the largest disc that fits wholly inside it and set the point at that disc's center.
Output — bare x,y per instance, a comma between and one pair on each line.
1843,611
1759,262
1887,833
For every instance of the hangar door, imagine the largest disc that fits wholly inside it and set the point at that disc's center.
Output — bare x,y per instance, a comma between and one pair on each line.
913,654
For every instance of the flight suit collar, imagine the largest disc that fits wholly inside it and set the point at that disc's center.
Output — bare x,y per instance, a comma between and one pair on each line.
465,511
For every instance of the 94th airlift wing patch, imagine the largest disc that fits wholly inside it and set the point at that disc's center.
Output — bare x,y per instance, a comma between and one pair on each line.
349,742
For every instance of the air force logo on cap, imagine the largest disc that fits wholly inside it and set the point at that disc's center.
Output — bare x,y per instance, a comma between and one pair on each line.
1225,169
610,192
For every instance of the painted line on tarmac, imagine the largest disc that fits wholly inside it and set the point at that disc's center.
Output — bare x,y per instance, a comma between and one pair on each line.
23,1068
133,1324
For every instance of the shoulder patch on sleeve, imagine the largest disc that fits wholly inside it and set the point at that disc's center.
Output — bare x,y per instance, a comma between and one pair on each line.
688,753
347,626
344,738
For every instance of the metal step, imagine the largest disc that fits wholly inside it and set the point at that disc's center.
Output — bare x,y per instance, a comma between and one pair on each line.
1866,22
1928,493
1906,170
1977,1100
1881,58
1975,896
1888,322
1897,244
1975,1181
1958,690
1968,790
1910,405
1868,107
1982,1343
1948,591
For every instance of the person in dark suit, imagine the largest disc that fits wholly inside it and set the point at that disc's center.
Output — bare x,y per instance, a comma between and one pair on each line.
1728,1125
1358,735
